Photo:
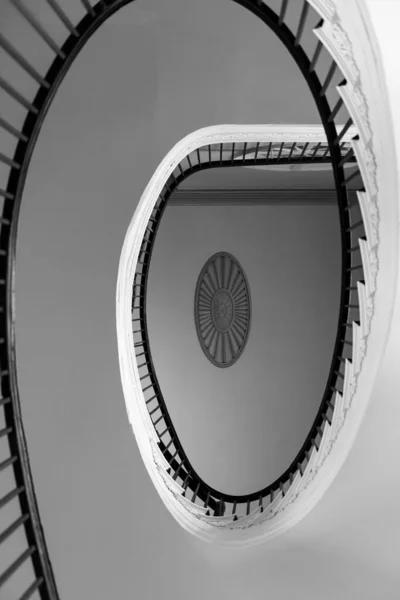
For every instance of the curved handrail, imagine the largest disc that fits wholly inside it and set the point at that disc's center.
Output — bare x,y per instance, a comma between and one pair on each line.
216,157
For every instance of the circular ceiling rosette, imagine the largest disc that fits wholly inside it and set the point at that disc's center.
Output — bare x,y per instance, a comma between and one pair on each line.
222,309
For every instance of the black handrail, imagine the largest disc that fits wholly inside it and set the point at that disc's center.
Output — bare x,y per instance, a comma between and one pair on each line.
156,405
18,164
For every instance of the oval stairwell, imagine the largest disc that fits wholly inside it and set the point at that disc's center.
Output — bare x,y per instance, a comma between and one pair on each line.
352,97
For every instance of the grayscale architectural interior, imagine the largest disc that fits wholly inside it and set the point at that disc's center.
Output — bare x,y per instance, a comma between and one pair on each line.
154,72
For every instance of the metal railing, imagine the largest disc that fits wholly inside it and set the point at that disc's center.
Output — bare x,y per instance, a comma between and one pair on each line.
234,155
18,138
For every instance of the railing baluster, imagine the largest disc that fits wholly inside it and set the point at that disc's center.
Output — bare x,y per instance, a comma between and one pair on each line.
175,475
335,110
304,149
328,79
5,431
159,418
186,481
6,463
32,589
282,14
16,564
22,62
174,454
29,16
171,441
13,527
256,152
280,151
153,411
8,127
315,57
17,96
7,195
351,177
346,157
302,23
317,147
196,492
88,6
348,124
355,225
9,162
63,17
244,151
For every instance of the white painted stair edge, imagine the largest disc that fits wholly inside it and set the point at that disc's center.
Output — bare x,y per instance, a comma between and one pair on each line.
366,97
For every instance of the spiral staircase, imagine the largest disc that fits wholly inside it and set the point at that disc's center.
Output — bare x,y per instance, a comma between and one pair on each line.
353,133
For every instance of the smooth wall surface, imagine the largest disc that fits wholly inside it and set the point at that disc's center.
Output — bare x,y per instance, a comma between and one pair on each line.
243,426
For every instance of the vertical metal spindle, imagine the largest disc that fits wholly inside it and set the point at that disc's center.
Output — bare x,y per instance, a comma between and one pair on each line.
283,11
304,149
196,492
32,588
34,23
302,23
291,150
22,62
88,6
63,17
347,125
315,57
335,110
317,147
328,78
244,151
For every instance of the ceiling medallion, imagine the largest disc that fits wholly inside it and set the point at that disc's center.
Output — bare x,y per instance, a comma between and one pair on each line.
222,309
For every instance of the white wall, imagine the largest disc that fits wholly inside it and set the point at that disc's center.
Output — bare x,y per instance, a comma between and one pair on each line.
242,426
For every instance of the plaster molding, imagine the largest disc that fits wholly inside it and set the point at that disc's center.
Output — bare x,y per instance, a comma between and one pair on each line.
323,466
